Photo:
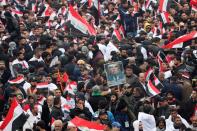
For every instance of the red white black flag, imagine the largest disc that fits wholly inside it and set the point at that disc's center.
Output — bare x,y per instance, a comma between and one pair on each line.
79,22
163,5
178,43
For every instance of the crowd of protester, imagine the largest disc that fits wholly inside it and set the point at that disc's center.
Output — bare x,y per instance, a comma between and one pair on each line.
34,50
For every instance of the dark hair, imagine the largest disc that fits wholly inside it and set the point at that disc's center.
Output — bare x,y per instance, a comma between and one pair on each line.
103,104
178,58
80,86
161,120
19,53
41,124
128,66
56,101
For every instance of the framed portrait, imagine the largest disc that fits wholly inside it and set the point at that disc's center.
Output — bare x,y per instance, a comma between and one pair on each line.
115,73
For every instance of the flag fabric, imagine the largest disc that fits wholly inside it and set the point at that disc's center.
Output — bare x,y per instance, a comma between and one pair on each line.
15,118
62,11
17,80
3,2
52,15
165,17
152,89
41,100
94,6
47,11
146,5
178,43
71,87
42,85
117,34
52,120
161,58
85,125
66,108
17,12
163,5
34,7
79,22
94,3
162,29
193,2
26,3
194,8
65,77
48,24
121,30
148,73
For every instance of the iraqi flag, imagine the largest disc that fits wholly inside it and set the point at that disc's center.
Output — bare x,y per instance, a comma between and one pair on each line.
121,30
178,43
15,118
148,73
43,88
161,58
41,100
71,88
34,6
66,108
42,85
62,11
16,12
147,5
85,125
152,89
165,17
17,80
94,6
117,35
79,22
94,3
47,11
163,5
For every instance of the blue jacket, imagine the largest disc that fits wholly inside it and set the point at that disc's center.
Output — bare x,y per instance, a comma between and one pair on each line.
123,119
129,21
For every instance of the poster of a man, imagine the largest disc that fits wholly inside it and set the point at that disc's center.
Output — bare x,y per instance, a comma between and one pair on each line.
115,73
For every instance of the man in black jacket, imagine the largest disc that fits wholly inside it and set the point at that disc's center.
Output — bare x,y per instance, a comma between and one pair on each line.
46,111
80,110
56,112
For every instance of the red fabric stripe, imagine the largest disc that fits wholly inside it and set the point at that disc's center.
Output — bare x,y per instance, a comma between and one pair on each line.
79,122
52,120
153,87
193,2
194,8
10,114
161,2
167,17
17,79
117,34
78,17
42,84
181,39
148,72
48,11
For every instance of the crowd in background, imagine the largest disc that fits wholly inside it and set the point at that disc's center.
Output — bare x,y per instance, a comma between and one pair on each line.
37,49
